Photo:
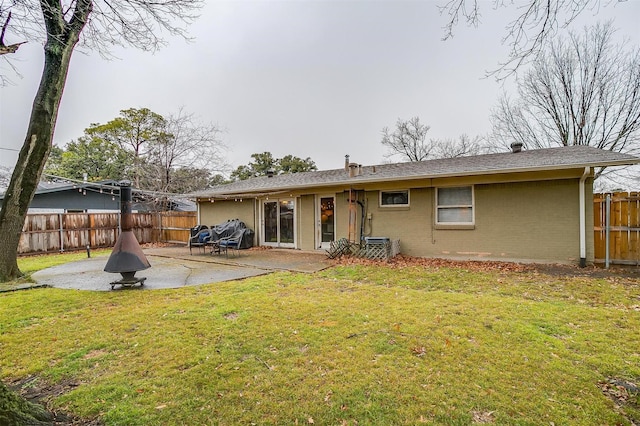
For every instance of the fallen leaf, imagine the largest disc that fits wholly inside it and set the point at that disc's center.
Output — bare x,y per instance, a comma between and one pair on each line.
483,416
419,350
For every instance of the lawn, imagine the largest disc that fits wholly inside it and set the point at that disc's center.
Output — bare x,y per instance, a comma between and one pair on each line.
355,344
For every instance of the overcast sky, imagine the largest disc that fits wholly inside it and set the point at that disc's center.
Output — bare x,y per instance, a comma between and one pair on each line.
315,79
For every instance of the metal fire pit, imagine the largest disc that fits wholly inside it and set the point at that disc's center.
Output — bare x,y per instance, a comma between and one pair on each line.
127,257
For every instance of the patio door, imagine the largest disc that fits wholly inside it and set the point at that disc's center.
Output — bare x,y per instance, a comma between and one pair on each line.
278,223
326,223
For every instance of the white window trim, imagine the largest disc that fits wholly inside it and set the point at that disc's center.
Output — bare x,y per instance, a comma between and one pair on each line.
391,206
473,207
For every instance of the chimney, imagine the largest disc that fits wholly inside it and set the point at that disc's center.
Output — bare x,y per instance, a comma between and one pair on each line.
354,169
127,257
346,162
516,147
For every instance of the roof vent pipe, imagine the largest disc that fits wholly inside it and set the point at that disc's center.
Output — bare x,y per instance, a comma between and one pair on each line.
516,147
270,173
346,162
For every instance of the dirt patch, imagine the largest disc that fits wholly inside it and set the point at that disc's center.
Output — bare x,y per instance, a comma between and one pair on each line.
231,316
96,353
403,261
35,390
157,245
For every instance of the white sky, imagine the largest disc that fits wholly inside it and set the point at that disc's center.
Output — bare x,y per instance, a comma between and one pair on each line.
315,79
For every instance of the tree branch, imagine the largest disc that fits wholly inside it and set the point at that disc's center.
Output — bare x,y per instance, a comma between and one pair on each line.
4,49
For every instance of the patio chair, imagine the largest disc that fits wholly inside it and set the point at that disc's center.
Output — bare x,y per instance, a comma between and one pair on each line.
199,236
231,242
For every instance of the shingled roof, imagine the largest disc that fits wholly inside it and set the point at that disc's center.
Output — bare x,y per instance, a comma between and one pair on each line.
559,158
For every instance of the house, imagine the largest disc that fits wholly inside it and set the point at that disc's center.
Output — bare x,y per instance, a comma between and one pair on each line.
533,205
80,197
93,197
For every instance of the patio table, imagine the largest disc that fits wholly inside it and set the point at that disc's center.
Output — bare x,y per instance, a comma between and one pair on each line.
215,246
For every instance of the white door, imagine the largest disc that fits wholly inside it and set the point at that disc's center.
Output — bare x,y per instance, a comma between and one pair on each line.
326,222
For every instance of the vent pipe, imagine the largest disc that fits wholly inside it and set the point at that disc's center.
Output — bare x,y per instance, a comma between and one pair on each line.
346,162
354,169
516,147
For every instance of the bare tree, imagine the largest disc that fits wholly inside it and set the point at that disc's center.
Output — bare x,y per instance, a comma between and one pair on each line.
185,144
409,141
454,148
538,22
581,90
138,23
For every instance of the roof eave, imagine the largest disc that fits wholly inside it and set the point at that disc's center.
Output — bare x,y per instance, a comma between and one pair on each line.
350,181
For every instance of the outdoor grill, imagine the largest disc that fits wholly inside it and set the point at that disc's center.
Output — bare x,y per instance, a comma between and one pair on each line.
127,257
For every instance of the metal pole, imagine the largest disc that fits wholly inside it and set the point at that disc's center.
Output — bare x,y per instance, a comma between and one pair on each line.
607,230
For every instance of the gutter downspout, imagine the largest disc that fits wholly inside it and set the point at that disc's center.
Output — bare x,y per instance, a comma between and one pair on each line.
583,218
256,221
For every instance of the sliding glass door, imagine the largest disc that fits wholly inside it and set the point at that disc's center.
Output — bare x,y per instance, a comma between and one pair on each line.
278,228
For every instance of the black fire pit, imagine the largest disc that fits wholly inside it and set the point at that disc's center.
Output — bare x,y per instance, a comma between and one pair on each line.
127,257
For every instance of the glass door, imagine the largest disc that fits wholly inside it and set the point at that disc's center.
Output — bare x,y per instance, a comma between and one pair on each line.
326,221
278,227
270,227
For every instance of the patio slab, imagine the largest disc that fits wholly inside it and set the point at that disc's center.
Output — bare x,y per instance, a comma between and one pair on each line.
268,259
174,267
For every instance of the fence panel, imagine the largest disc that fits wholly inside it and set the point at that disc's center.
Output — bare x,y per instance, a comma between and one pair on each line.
54,232
624,227
174,226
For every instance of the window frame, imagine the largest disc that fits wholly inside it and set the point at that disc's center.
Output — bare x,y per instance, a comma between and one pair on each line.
464,225
391,206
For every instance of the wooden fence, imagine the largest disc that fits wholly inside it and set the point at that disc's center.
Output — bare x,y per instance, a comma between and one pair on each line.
173,227
56,232
623,216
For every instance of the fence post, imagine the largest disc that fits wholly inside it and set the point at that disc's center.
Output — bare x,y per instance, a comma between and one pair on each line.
89,228
61,232
607,213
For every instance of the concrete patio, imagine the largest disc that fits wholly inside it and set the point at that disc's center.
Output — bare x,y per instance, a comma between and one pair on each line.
174,267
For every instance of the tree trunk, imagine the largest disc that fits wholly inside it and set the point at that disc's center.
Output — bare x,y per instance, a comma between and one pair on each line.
16,411
61,40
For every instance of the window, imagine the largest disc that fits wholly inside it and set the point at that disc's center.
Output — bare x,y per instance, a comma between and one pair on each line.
454,206
394,198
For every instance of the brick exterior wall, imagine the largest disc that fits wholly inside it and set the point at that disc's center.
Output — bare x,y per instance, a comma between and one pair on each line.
221,211
513,221
529,220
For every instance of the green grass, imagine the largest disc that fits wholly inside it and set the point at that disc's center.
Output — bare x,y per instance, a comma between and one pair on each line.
372,345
